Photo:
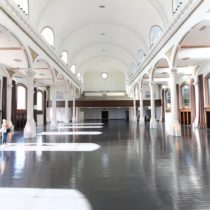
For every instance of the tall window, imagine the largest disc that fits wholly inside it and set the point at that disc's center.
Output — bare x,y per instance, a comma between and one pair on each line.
141,55
23,4
185,91
155,34
64,57
39,101
48,35
73,68
21,97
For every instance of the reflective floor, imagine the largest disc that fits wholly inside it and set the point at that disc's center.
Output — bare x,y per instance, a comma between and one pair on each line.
126,167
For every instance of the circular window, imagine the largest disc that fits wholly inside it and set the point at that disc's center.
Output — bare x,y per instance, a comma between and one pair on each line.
104,75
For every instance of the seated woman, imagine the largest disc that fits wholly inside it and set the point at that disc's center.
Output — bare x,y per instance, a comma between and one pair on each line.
4,129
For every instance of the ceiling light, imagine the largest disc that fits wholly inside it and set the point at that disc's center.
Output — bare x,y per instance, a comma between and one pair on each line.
102,6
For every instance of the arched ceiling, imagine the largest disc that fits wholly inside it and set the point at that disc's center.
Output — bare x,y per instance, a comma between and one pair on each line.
121,28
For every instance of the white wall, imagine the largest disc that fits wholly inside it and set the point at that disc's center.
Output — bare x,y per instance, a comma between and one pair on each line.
95,113
93,82
60,114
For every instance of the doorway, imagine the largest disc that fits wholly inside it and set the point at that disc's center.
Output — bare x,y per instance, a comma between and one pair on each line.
208,119
105,116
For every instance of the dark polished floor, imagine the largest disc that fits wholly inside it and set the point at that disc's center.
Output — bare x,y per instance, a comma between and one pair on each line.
135,168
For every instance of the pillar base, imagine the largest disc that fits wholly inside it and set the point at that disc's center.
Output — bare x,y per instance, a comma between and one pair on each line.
134,119
74,120
54,124
141,120
174,129
153,123
29,130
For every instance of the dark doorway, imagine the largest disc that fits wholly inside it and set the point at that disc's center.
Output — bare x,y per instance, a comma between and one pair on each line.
105,116
208,119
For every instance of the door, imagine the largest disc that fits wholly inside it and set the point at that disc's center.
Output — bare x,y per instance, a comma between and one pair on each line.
105,116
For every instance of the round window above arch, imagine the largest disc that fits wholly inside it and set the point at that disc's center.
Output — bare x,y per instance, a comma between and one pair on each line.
104,75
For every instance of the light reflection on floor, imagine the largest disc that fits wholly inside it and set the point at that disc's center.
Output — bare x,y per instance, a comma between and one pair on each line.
42,199
58,147
80,126
68,133
85,124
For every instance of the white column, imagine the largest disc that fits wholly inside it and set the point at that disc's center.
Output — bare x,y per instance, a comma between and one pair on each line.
54,110
66,117
134,109
174,128
9,102
30,127
73,111
195,123
141,119
153,122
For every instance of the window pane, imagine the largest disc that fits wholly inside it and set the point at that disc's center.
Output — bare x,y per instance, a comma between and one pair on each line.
73,69
64,57
39,101
48,34
21,97
186,96
155,34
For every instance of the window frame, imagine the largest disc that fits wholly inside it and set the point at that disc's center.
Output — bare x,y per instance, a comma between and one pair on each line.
151,42
26,97
40,111
64,51
53,33
181,96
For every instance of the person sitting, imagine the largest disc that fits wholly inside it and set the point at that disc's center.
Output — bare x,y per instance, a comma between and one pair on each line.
4,128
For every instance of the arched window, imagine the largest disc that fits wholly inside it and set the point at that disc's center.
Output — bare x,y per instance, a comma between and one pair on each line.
21,97
155,34
185,95
133,68
39,101
64,57
73,68
23,5
48,35
141,55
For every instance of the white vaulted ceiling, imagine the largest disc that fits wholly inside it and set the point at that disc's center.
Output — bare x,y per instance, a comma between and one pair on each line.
94,36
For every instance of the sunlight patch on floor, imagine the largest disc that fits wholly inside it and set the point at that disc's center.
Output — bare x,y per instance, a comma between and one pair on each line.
42,199
68,133
56,147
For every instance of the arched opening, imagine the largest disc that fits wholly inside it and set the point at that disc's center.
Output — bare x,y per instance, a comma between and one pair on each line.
48,35
64,56
21,108
155,33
